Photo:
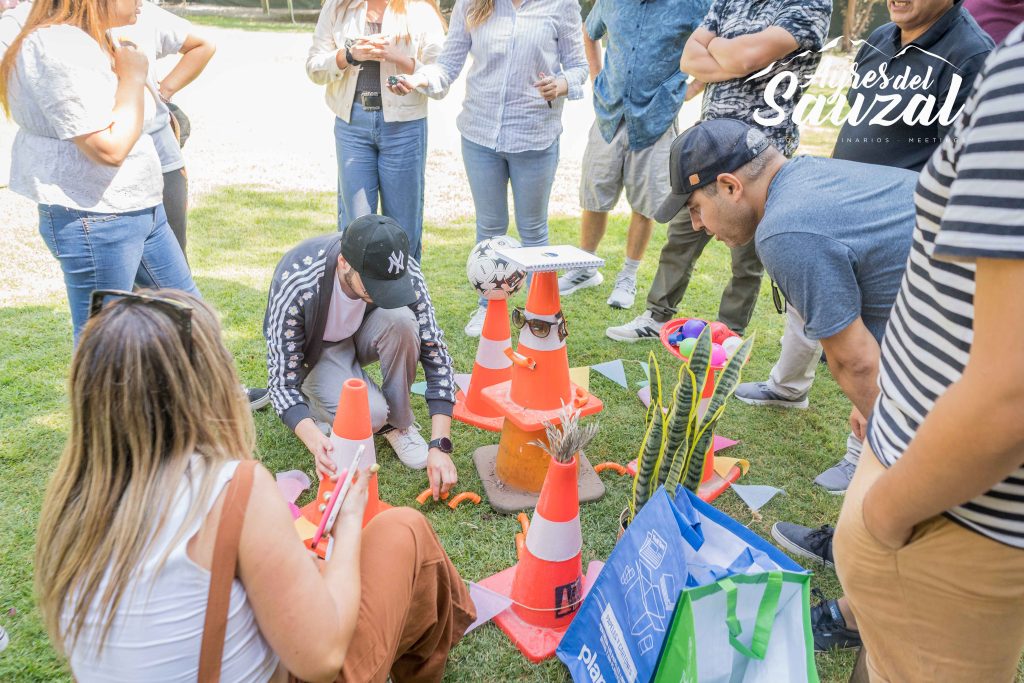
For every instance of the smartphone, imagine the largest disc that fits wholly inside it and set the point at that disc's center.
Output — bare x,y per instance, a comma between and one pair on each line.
334,504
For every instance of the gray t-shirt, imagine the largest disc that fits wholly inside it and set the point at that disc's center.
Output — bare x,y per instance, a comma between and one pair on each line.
835,237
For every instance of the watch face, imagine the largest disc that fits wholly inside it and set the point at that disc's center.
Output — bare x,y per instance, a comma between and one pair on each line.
444,444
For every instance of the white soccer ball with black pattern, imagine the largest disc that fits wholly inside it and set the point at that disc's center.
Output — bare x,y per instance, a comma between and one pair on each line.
491,274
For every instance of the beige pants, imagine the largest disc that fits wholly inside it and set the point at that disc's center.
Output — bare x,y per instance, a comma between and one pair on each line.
948,606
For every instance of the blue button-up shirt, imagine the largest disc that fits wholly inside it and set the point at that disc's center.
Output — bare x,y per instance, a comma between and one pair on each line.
641,81
502,109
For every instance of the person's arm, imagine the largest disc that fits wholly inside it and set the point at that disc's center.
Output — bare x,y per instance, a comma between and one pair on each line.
196,52
973,438
326,60
853,359
435,79
699,63
592,49
306,612
571,55
111,145
744,55
439,372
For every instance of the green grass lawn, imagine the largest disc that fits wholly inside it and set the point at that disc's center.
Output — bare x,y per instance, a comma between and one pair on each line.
236,237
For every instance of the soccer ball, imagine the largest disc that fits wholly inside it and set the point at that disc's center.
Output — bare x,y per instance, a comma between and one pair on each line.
493,275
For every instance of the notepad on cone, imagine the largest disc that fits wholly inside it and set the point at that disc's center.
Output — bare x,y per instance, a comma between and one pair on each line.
561,257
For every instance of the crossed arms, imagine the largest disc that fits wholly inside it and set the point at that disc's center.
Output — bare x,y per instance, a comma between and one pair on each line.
711,59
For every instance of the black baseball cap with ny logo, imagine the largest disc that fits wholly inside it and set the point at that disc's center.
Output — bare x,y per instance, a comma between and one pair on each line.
378,249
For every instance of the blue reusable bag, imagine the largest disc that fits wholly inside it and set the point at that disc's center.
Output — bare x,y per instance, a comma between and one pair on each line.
671,545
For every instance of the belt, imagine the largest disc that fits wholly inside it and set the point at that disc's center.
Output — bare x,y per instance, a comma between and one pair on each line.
370,101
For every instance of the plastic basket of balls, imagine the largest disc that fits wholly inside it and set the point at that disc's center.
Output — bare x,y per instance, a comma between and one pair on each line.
680,336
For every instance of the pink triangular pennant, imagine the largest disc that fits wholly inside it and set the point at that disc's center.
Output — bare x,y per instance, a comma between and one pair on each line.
488,604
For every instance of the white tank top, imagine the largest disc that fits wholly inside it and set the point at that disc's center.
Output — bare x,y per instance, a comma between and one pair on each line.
158,627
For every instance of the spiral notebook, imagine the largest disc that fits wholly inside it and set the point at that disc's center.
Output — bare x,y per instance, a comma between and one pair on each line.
560,257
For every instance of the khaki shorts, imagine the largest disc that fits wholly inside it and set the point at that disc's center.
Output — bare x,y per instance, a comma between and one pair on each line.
610,167
948,606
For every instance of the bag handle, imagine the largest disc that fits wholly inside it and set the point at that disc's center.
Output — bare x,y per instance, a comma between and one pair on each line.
765,616
222,572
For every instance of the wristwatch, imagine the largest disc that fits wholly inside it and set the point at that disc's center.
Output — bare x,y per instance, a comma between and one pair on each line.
352,61
444,444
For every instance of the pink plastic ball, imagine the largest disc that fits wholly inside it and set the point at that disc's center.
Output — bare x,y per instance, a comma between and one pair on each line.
718,355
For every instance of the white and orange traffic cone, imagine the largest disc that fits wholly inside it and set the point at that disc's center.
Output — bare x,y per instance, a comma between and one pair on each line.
547,585
492,366
352,428
538,388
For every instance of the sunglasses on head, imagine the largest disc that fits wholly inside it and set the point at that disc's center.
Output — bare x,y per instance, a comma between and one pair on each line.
540,328
177,311
780,303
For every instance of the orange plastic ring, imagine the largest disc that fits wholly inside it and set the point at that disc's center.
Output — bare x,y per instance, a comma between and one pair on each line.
465,495
614,466
423,497
520,544
524,521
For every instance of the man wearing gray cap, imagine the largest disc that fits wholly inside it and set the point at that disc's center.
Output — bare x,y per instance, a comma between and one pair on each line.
340,302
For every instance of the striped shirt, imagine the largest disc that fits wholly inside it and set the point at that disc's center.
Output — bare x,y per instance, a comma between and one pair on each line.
502,110
970,205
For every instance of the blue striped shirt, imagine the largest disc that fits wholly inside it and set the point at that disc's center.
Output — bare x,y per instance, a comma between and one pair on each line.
502,109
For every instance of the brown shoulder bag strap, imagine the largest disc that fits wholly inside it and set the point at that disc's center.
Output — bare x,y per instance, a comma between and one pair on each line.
225,558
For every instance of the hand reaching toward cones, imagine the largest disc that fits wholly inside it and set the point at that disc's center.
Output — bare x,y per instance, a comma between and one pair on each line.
441,473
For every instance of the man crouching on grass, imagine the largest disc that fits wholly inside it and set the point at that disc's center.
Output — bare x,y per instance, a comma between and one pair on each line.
339,302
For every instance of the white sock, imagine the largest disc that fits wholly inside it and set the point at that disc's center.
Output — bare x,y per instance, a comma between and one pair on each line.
630,266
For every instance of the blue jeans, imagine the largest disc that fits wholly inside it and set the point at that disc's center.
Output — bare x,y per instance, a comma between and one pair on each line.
386,160
531,173
112,251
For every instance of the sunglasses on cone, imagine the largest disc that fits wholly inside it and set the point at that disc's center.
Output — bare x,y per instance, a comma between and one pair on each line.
540,328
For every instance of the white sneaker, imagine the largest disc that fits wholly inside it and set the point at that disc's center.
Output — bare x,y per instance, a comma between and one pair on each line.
475,326
641,328
579,278
4,639
409,446
624,293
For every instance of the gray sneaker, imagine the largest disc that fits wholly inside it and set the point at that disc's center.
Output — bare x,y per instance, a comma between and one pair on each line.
624,293
836,479
815,544
641,328
758,394
579,278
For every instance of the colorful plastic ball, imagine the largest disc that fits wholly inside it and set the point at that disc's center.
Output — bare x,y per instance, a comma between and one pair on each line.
718,355
731,344
686,347
675,337
719,332
693,328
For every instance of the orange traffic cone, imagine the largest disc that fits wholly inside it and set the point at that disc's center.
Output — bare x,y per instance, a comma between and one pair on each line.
352,428
538,388
547,585
492,367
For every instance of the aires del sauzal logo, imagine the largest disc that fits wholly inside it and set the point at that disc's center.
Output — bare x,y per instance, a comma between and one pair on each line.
908,92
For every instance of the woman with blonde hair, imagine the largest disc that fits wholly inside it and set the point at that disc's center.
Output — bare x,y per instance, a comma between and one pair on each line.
77,97
360,47
527,56
165,553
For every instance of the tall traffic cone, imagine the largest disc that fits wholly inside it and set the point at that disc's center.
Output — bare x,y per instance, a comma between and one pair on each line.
352,428
547,585
492,366
538,388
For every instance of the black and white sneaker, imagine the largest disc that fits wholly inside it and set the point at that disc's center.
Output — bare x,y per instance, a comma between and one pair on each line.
641,328
815,544
577,279
829,628
258,398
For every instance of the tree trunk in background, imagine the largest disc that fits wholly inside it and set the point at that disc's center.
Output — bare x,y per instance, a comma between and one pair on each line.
848,25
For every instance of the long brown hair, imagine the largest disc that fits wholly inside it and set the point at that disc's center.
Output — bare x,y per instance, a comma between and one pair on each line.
478,12
92,16
140,410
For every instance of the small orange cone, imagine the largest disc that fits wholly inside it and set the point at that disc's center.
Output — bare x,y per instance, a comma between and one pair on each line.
352,428
492,367
547,585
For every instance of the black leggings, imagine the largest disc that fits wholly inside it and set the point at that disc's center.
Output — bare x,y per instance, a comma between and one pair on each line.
176,204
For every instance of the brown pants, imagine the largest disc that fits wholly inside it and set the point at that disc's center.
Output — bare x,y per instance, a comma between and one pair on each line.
414,606
948,606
